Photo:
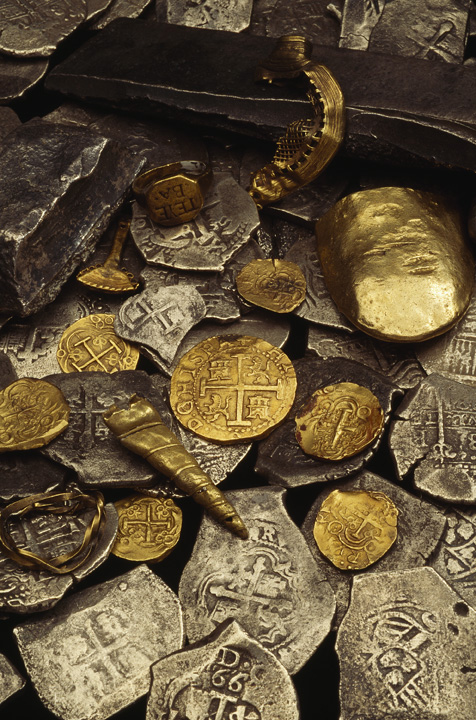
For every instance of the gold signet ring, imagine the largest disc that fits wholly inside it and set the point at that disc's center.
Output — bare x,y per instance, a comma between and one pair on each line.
173,194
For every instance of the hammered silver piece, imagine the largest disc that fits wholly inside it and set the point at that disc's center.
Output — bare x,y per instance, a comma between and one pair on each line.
433,439
18,76
227,675
406,649
420,526
224,225
90,657
10,679
120,9
269,583
231,15
95,8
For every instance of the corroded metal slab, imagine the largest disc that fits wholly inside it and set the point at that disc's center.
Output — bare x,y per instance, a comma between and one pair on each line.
120,9
229,675
28,473
229,15
95,8
268,583
406,649
11,680
281,460
433,436
18,76
311,18
420,526
91,656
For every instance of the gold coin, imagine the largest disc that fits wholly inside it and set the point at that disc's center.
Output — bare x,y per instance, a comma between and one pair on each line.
354,528
32,413
90,344
149,528
233,388
338,421
276,285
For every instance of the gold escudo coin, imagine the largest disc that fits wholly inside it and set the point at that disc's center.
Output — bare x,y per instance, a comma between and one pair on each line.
148,529
338,421
355,528
90,344
275,285
233,388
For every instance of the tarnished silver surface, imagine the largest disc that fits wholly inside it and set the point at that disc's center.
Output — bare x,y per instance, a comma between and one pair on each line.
23,590
232,15
316,19
433,438
120,9
420,526
7,371
36,27
406,649
10,679
95,8
225,224
28,473
18,76
433,30
269,583
318,306
280,458
71,183
396,361
91,656
228,676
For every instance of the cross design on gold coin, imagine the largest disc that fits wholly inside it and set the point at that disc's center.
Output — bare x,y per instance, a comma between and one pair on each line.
148,524
92,355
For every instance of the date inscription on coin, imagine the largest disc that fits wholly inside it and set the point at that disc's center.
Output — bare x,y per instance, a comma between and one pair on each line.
354,528
90,344
338,421
276,285
233,388
149,528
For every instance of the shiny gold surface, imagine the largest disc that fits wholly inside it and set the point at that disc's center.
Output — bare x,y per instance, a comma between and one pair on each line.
149,528
338,421
141,430
276,285
32,413
396,262
354,528
232,388
91,345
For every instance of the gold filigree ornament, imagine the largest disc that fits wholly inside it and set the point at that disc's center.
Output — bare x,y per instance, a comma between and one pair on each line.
355,528
149,528
32,413
275,285
308,145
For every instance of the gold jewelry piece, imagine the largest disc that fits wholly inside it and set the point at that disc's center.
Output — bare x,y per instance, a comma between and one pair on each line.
308,145
141,430
338,421
173,193
354,528
90,344
233,388
276,285
32,413
63,503
149,528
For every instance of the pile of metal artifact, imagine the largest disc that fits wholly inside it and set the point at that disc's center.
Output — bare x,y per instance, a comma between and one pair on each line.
237,367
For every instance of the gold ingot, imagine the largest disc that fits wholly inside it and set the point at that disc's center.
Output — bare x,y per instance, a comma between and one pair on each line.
354,528
338,421
233,388
276,285
90,344
396,262
32,414
149,528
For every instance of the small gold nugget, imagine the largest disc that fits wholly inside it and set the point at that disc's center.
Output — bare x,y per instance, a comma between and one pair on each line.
354,528
90,344
233,388
276,285
32,413
149,528
338,421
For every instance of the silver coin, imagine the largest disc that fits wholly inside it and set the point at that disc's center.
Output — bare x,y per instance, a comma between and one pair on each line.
11,680
231,15
120,9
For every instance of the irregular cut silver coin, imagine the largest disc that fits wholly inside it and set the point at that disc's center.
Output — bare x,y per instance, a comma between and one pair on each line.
433,436
312,18
232,15
280,458
228,675
91,656
95,8
10,679
224,225
18,76
406,649
120,9
28,473
268,583
420,526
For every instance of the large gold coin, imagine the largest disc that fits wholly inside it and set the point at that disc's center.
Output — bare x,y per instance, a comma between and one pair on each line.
338,421
90,344
233,388
276,285
149,528
354,528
